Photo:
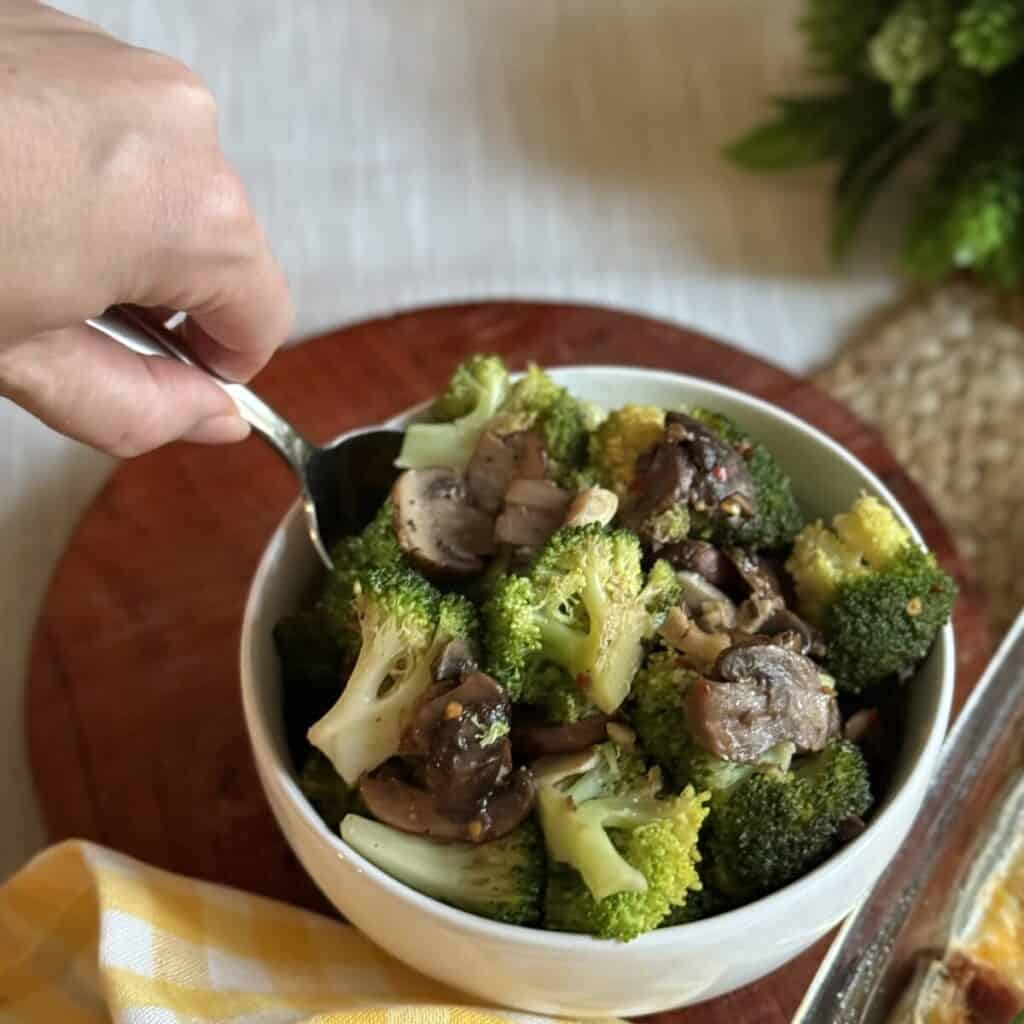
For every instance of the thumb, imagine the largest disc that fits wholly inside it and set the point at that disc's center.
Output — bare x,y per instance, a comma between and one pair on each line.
90,388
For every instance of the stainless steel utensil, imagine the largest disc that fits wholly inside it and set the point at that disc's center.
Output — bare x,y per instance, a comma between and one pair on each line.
912,913
342,483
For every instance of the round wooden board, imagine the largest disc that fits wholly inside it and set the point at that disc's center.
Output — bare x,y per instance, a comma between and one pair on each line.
133,711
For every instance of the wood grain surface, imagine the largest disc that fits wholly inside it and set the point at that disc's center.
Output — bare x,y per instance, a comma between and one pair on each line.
133,710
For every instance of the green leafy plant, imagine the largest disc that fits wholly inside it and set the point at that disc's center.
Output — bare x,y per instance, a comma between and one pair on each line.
942,80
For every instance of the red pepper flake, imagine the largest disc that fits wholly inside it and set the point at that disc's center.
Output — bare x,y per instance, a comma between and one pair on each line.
720,473
583,681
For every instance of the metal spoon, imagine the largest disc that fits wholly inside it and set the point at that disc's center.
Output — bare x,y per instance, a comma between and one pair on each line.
343,484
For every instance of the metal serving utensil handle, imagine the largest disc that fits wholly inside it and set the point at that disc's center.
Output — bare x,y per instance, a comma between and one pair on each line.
130,330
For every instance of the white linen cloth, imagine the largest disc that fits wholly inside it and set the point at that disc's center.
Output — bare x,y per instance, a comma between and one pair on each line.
403,152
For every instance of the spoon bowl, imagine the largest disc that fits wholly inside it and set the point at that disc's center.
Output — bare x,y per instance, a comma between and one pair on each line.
342,484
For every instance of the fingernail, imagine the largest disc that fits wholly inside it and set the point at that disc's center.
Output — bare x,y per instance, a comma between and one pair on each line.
221,429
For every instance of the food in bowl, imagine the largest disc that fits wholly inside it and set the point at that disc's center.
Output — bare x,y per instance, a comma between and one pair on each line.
593,672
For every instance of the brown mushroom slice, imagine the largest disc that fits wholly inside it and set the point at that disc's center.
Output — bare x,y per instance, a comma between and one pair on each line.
534,510
497,461
411,809
757,572
473,688
767,695
756,611
698,648
704,559
533,739
441,533
456,659
722,484
663,479
594,505
798,633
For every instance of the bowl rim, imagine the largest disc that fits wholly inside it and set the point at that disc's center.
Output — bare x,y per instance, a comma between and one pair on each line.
702,931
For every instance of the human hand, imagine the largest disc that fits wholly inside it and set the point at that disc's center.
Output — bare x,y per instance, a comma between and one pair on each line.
113,189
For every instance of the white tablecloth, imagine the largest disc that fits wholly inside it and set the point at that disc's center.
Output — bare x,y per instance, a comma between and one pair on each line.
403,153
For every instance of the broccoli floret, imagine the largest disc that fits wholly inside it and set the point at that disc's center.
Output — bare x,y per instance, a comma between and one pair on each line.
778,518
502,879
581,608
662,592
657,713
404,623
561,420
331,796
620,440
668,527
700,904
774,826
629,856
376,547
474,394
880,598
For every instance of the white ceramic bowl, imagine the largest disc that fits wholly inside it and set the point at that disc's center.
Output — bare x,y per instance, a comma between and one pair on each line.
570,975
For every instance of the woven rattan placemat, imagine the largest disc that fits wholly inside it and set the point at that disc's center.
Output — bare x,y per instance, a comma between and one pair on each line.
942,376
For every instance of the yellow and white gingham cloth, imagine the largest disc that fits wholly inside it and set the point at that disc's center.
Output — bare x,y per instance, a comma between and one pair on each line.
88,936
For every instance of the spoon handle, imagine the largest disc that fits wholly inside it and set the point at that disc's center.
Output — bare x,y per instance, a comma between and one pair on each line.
130,330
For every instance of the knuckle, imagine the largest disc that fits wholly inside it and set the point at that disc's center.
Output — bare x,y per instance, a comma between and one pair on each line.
177,83
225,203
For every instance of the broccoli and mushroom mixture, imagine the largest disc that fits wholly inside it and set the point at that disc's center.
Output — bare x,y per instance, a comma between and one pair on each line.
593,671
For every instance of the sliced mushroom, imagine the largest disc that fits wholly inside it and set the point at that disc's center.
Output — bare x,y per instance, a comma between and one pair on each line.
498,460
766,695
757,610
594,505
787,628
699,648
532,738
441,533
663,479
411,809
534,510
456,659
722,485
461,731
704,559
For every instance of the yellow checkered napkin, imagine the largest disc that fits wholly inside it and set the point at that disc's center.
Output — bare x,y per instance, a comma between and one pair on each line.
90,936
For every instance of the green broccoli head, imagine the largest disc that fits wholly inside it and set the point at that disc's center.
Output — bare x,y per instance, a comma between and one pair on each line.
471,379
774,826
658,716
398,613
331,796
473,396
662,592
620,440
376,547
629,856
879,597
778,518
502,879
561,420
457,619
581,609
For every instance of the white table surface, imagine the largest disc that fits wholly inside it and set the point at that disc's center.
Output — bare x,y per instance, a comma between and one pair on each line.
404,153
